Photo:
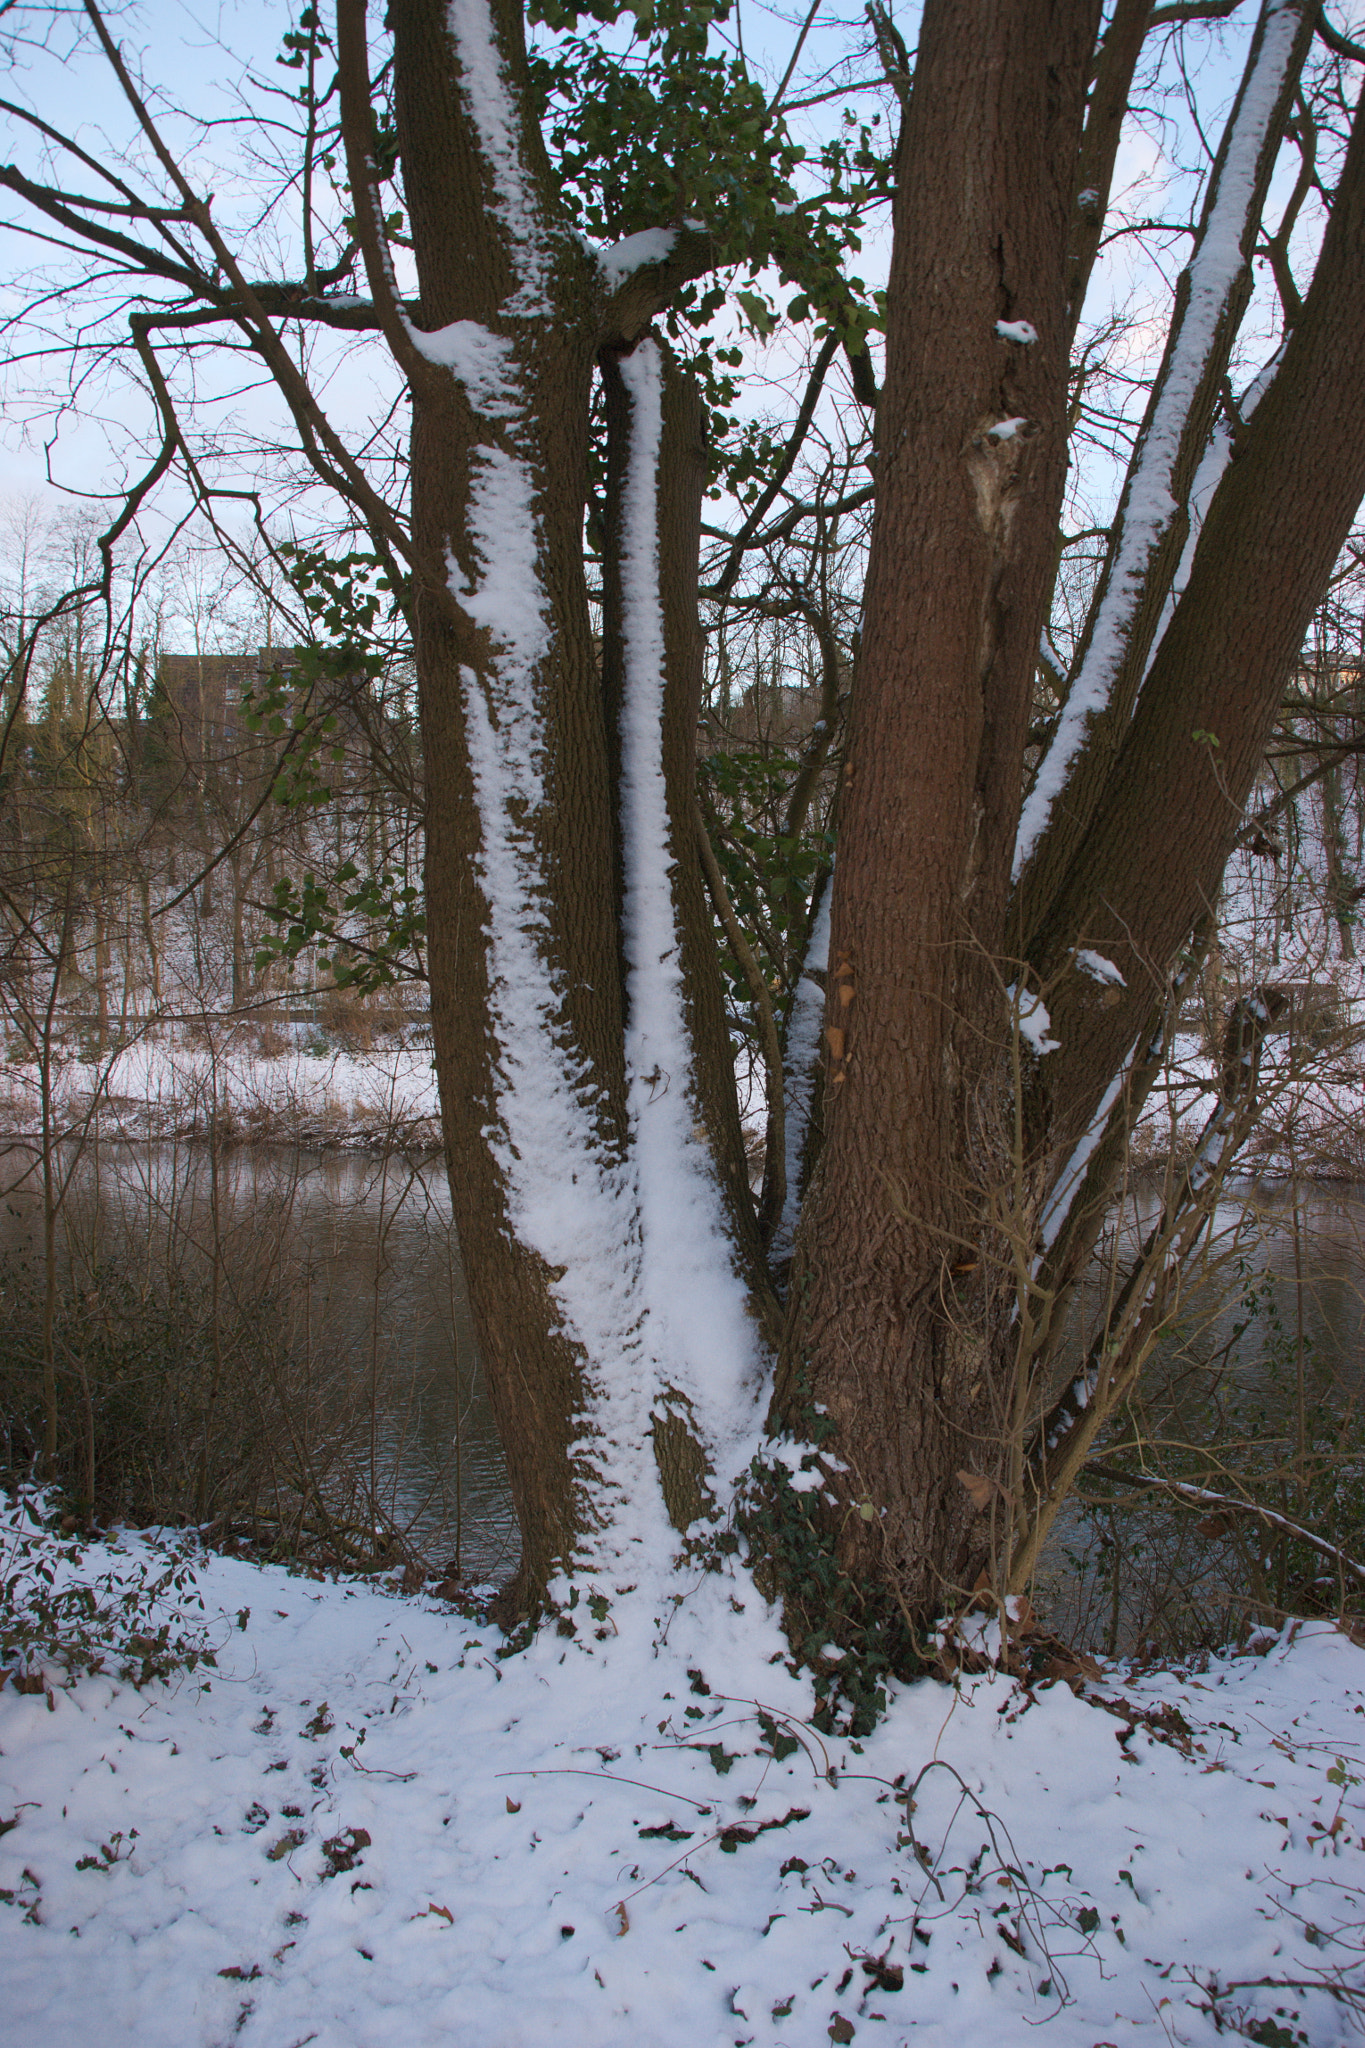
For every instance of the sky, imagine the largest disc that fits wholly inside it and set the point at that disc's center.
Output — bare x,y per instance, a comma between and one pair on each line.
58,449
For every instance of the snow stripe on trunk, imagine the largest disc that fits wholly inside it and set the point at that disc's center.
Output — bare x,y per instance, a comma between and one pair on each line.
699,1331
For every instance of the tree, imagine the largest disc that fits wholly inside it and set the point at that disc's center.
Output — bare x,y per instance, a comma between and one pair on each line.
1026,861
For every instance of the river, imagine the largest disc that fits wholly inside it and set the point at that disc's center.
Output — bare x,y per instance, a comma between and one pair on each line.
363,1255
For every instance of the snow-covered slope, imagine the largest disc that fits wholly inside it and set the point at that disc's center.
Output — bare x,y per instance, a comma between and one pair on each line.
368,1828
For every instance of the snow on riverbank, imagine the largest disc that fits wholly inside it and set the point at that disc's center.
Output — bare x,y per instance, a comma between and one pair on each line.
368,1828
166,1086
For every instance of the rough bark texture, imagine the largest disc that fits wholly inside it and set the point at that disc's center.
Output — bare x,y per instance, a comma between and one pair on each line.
895,1325
534,1375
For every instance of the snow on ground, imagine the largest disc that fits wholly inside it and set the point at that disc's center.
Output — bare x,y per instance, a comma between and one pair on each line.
165,1085
366,1827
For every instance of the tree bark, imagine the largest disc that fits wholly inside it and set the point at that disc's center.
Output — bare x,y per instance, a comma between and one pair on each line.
897,1319
531,428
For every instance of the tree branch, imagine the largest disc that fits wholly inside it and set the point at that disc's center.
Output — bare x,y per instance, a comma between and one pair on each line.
800,428
357,131
774,1172
1189,1495
327,452
1341,45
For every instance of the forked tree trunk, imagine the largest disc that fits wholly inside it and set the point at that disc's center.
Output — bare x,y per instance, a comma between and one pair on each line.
545,974
956,1110
898,1321
596,1166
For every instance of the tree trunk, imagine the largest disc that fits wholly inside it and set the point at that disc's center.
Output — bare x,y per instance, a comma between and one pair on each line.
553,985
680,486
983,1058
898,1319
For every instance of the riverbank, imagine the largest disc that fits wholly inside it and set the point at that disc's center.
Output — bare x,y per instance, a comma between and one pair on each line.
366,1823
250,1084
215,1079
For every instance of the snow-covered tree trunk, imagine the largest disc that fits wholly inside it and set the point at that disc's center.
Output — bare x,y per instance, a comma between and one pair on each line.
597,1172
984,1048
993,983
898,1329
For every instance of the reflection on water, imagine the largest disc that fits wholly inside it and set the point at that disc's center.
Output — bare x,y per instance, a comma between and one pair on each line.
363,1256
364,1253
1293,1253
1254,1391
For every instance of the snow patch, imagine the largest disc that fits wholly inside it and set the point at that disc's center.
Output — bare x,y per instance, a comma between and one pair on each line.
460,1829
623,259
1034,1022
1021,331
484,362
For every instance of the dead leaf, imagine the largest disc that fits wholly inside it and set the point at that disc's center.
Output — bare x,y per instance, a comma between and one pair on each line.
343,1850
513,1805
834,1039
433,1910
978,1488
623,1918
1073,1669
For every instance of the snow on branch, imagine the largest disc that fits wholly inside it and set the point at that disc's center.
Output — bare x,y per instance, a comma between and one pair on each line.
1149,506
802,1052
622,259
1207,478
